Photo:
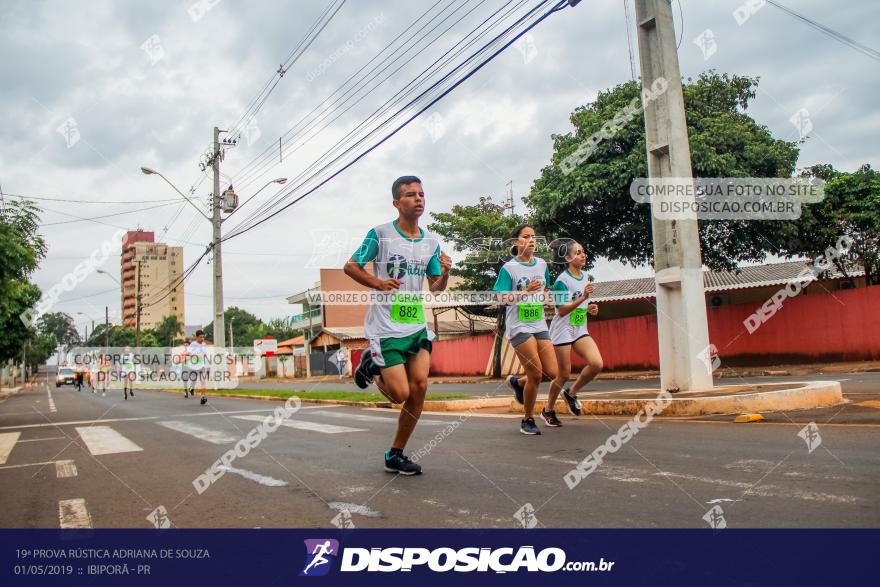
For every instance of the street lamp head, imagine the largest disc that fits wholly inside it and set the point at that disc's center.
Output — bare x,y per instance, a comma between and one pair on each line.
148,171
281,180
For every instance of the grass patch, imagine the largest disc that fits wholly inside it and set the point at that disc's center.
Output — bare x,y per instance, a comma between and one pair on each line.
352,396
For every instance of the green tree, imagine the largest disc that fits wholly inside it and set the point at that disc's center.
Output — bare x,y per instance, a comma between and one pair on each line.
61,326
21,250
851,208
280,329
482,232
592,204
167,330
39,348
245,326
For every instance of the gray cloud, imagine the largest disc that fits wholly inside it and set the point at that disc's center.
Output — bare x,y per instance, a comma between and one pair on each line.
85,61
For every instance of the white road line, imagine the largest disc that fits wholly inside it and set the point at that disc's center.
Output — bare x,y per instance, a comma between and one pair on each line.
200,432
52,407
28,465
103,440
261,479
138,419
303,425
7,441
65,469
41,439
366,418
72,513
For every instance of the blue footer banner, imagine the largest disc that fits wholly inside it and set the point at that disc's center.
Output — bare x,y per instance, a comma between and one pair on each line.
436,557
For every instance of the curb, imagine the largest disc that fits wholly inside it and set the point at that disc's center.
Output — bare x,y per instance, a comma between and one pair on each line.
802,395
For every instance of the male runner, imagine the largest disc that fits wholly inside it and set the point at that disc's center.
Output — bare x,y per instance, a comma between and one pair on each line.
400,340
198,355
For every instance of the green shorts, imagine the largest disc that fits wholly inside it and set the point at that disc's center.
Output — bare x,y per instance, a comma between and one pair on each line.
388,352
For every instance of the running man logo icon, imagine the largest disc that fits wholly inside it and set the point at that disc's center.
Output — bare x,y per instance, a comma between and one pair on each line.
715,518
319,556
810,435
526,516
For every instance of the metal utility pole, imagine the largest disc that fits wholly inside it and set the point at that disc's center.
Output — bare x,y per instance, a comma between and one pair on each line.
681,303
137,297
106,326
219,329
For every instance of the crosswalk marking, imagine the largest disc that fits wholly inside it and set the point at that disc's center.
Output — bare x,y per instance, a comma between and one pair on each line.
304,425
7,441
52,407
142,418
65,469
72,513
103,440
366,418
41,439
200,432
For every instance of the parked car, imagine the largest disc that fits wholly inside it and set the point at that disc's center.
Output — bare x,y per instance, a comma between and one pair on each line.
65,376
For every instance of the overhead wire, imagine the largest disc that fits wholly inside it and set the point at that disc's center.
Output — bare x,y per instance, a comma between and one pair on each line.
558,6
412,86
257,103
828,31
243,174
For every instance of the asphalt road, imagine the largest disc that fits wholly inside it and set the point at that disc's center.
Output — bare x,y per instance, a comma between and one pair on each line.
106,462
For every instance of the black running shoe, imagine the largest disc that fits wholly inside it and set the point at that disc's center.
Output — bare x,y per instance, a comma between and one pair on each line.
362,376
551,419
398,463
528,426
204,400
513,382
573,403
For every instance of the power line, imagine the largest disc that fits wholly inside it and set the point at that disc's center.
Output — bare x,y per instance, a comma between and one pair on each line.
841,38
558,6
246,172
632,67
75,201
92,219
261,98
413,86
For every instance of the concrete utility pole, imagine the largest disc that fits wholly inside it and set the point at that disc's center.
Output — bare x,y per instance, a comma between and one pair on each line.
681,303
219,329
106,326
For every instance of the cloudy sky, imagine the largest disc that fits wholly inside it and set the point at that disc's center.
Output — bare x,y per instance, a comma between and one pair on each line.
92,91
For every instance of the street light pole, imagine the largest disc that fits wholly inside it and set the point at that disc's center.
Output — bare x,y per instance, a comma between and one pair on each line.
219,330
216,222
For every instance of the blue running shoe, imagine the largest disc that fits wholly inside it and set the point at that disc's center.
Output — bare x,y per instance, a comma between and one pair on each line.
513,382
528,426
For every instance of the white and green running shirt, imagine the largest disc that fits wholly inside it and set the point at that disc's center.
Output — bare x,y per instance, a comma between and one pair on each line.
396,256
566,329
527,315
